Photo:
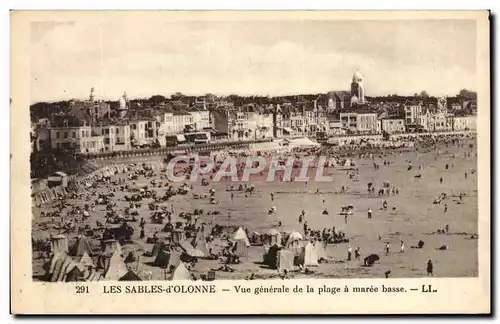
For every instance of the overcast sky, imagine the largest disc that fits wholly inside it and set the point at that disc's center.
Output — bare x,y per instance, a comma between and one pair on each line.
249,57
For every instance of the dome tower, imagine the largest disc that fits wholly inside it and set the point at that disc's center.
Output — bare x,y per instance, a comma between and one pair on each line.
357,88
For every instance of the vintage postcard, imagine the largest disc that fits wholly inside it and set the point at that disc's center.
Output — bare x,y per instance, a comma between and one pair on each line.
250,162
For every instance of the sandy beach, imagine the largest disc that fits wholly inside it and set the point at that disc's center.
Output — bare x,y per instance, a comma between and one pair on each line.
415,218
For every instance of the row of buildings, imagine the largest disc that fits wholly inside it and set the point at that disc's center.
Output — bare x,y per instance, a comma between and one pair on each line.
242,123
93,126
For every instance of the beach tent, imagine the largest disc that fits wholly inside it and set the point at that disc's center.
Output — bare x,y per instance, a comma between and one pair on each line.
241,235
271,257
294,242
93,275
190,250
109,247
156,248
130,276
81,246
274,237
62,268
303,142
200,243
293,239
116,268
167,259
310,256
59,243
285,260
241,242
181,273
320,250
86,261
177,236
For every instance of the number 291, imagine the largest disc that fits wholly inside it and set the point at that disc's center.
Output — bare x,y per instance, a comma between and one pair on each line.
82,289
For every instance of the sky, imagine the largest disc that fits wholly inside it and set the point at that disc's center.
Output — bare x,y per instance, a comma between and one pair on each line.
280,57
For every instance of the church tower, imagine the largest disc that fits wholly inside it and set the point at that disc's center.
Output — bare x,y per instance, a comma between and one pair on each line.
123,105
357,88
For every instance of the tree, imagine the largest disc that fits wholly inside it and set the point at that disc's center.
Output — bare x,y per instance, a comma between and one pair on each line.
466,94
177,96
156,99
424,94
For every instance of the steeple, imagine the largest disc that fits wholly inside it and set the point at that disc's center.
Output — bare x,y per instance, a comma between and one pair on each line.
92,94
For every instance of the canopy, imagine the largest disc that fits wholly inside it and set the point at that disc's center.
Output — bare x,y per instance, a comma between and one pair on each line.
303,142
295,236
273,231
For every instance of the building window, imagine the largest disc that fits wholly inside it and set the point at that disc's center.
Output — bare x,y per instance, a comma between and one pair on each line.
57,134
106,141
65,134
74,134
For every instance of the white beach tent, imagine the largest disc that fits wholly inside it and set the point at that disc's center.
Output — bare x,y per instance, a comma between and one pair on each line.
285,260
310,255
294,243
117,268
241,241
181,273
241,235
303,142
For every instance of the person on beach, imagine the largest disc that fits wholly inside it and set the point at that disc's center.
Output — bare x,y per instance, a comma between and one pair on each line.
387,248
369,213
441,180
402,248
430,268
357,253
349,253
445,208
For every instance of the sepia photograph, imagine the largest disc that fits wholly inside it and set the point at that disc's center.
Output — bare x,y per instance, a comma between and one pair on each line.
176,146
